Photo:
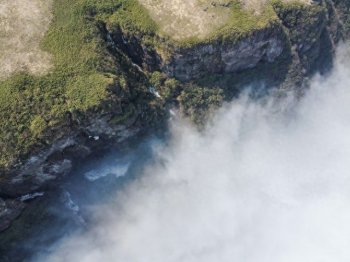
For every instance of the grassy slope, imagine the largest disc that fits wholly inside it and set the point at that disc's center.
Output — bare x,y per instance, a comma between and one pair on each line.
83,69
133,17
241,23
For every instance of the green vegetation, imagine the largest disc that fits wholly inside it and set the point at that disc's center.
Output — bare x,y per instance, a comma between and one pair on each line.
306,25
133,17
198,102
86,69
79,82
300,17
169,88
240,24
192,22
129,111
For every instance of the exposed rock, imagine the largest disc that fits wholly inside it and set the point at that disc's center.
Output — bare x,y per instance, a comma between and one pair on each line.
219,56
313,32
304,36
308,33
305,31
226,57
49,165
9,211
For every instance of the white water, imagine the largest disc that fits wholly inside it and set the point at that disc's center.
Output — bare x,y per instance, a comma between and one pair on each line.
118,170
266,182
31,196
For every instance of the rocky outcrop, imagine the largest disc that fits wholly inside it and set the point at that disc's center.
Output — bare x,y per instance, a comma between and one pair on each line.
45,169
308,33
9,211
142,54
222,57
217,56
304,38
54,162
313,32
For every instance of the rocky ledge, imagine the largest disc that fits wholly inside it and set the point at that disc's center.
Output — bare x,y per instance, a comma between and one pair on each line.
9,211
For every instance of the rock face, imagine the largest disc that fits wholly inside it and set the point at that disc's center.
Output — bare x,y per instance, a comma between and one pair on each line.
223,57
9,211
313,33
307,33
44,170
216,57
51,164
303,38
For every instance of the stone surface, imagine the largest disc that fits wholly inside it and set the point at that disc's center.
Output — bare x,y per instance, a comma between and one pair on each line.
218,57
9,211
47,165
53,163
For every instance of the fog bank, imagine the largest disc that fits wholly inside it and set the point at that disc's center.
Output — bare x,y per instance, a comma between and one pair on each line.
267,181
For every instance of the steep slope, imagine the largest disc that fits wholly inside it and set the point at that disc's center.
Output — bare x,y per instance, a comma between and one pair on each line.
117,66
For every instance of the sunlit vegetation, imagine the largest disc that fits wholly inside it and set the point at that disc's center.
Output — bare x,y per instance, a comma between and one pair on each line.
83,70
197,102
36,109
193,21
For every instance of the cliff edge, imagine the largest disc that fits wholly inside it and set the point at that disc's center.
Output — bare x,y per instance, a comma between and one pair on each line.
105,72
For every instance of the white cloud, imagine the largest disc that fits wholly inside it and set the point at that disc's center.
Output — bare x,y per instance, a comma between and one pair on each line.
269,181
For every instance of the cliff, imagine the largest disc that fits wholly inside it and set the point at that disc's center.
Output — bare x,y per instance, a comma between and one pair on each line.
117,67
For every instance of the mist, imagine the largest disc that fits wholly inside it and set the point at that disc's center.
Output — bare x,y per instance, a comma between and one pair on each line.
267,180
